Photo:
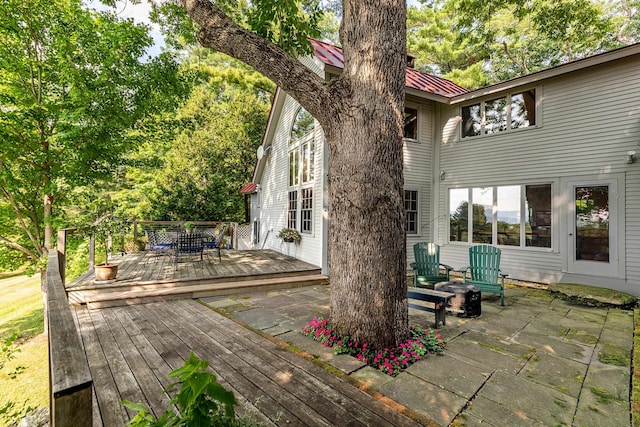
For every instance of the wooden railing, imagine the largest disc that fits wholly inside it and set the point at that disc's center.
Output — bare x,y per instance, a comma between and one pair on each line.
70,382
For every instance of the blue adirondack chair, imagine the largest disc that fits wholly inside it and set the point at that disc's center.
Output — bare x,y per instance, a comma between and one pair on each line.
426,268
484,270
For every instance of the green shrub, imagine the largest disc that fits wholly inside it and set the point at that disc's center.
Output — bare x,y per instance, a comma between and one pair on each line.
201,401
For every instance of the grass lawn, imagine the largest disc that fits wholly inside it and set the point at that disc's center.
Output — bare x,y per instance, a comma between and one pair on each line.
21,311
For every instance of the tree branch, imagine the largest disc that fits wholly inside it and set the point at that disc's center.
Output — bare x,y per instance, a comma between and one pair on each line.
19,248
219,32
16,209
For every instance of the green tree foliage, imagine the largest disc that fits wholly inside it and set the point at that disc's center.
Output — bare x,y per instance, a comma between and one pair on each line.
153,183
432,37
212,156
475,42
71,85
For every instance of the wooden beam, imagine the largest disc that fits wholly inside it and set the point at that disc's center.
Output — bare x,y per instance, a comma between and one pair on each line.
69,376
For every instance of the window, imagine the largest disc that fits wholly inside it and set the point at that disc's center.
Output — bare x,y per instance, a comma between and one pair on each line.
411,123
302,125
482,225
292,210
514,111
411,208
538,215
514,215
308,152
306,210
294,168
459,215
509,215
301,173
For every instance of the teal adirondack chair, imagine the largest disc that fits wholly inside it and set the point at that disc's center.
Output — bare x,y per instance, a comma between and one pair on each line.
484,270
426,268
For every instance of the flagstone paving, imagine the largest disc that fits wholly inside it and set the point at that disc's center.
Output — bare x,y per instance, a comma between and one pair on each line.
538,361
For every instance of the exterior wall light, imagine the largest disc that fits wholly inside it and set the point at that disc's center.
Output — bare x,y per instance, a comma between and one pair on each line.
631,157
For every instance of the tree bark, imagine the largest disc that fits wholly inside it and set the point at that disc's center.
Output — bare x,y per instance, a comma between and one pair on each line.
367,251
361,113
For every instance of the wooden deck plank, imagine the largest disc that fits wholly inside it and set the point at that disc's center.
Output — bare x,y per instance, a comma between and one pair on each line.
315,378
230,368
311,403
127,386
143,318
112,413
145,377
265,358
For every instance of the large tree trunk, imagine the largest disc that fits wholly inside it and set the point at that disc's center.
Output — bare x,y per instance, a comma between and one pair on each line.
367,251
361,113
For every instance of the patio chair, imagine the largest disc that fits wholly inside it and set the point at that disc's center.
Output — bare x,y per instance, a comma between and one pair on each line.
426,268
189,244
160,243
212,241
484,270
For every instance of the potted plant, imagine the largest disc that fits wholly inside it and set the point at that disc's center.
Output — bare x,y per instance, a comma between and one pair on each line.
105,226
189,226
289,235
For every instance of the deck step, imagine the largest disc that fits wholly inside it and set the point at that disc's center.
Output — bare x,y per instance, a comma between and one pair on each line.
144,293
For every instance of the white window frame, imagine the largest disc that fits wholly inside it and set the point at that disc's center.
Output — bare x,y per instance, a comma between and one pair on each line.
508,96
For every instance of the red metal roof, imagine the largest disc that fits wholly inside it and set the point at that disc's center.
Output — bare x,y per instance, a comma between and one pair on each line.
332,55
249,188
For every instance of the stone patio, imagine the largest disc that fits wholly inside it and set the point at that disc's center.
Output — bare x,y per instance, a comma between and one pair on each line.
537,361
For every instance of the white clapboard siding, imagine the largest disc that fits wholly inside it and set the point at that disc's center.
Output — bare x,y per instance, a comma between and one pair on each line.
418,165
588,120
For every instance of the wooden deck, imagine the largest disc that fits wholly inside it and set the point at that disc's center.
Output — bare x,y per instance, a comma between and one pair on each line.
144,277
131,349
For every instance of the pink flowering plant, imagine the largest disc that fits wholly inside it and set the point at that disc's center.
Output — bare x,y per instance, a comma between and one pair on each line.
391,361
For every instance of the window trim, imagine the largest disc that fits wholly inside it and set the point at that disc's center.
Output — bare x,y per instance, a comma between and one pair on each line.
508,95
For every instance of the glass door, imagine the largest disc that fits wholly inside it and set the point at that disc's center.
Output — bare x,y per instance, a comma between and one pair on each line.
592,228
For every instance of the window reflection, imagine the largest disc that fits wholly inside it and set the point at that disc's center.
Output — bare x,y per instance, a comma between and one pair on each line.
538,215
482,214
523,109
471,120
508,215
410,123
495,116
302,125
459,215
592,223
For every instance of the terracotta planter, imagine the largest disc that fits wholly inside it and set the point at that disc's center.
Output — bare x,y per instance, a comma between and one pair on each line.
106,272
